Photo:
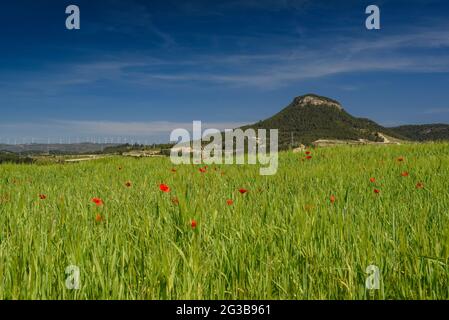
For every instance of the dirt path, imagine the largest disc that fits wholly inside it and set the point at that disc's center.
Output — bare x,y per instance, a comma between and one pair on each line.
386,140
84,159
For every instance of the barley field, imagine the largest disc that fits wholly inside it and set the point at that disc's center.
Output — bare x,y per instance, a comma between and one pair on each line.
145,229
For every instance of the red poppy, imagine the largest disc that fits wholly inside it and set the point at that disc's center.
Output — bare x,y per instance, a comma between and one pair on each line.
420,185
405,174
98,218
229,202
333,199
376,191
203,170
243,191
164,188
372,180
97,201
309,157
308,152
193,224
128,184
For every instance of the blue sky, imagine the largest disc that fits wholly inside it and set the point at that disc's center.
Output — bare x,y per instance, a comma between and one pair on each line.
138,69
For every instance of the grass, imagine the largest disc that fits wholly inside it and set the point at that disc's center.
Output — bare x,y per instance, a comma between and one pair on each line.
284,239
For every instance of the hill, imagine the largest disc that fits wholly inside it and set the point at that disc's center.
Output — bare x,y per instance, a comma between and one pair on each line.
425,132
311,117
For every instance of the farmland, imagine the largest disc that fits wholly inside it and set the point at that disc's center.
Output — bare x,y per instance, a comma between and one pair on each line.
158,231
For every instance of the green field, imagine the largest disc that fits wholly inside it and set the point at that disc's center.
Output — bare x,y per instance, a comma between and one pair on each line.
283,239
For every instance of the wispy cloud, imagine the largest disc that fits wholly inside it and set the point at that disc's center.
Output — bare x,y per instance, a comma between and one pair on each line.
135,20
138,128
66,128
265,70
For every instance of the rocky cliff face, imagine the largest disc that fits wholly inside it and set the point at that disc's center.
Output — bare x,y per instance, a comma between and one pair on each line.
314,100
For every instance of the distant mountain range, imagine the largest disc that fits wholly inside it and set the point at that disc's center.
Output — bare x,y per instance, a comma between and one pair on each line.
76,148
311,117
